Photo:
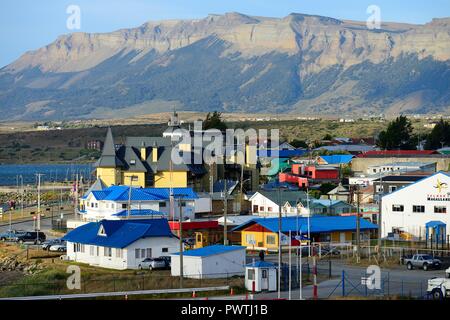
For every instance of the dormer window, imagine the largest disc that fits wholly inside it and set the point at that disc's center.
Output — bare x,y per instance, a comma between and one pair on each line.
101,231
133,162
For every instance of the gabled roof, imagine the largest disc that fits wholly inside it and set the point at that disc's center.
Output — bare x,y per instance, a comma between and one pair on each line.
121,193
338,159
282,196
261,264
97,186
210,251
119,233
327,203
219,186
412,184
340,189
318,224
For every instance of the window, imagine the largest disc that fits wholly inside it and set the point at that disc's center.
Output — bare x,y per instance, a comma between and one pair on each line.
124,205
162,204
440,209
270,239
250,239
392,189
419,209
78,247
398,208
269,209
133,161
261,209
92,250
264,274
107,252
137,253
165,250
96,204
149,253
143,253
251,274
119,253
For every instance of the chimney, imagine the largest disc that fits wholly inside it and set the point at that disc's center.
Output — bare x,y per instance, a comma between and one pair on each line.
155,152
143,151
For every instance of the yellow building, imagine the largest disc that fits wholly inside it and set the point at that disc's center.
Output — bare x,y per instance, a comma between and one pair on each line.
262,234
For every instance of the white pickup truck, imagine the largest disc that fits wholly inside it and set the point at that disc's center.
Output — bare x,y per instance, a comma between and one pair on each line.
439,288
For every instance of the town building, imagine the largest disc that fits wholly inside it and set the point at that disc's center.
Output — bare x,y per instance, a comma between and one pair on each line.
261,276
317,174
408,210
120,244
362,162
335,160
401,167
210,262
268,203
262,233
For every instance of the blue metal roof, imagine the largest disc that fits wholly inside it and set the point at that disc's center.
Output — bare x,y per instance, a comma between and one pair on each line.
327,203
139,212
261,264
280,153
121,193
211,250
119,233
434,224
318,224
338,159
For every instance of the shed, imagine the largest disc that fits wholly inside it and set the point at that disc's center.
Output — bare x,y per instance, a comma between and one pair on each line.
216,261
261,276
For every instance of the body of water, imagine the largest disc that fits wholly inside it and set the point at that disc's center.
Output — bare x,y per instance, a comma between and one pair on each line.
51,173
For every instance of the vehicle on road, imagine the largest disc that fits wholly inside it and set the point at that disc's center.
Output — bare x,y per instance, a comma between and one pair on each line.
167,260
439,288
447,273
58,247
423,261
48,243
10,234
30,237
152,264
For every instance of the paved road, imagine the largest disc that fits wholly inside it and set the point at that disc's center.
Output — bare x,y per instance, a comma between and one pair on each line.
46,225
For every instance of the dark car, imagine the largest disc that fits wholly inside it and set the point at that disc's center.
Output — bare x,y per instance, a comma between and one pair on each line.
31,236
10,234
167,260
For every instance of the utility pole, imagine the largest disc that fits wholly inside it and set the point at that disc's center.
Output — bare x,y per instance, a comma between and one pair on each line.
129,198
225,212
242,187
38,219
380,195
309,223
76,198
290,265
358,224
279,243
181,241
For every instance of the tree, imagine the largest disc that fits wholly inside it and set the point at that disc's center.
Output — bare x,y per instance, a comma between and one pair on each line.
397,136
439,136
299,144
328,137
214,121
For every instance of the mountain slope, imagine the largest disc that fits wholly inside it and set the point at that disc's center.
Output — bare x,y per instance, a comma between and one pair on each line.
233,62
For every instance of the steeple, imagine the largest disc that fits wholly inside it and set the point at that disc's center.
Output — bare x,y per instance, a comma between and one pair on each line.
109,158
174,121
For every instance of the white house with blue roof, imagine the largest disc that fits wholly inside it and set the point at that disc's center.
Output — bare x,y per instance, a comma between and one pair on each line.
409,210
112,203
216,261
120,244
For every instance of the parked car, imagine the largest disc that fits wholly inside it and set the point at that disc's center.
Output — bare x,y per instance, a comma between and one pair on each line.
10,234
30,236
167,260
447,273
48,243
439,288
424,261
59,247
152,264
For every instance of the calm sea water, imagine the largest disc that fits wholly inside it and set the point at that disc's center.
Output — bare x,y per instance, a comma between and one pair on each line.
52,173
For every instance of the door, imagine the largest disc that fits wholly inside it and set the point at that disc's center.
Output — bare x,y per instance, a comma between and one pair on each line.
264,279
342,237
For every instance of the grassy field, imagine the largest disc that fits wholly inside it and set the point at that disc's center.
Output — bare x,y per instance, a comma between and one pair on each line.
59,146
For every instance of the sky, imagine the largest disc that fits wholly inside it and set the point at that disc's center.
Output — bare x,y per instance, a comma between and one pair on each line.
29,24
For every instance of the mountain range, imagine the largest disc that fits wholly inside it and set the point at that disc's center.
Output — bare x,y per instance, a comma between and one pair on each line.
300,64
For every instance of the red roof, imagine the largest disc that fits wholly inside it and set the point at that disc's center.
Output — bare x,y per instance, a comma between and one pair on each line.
393,153
175,225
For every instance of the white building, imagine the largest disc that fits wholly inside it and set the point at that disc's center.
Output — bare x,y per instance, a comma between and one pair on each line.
120,244
216,261
112,203
266,203
261,276
410,209
399,167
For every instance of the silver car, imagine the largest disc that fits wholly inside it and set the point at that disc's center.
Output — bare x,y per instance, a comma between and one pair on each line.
152,264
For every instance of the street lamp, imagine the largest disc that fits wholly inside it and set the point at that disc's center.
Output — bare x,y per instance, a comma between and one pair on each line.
180,222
